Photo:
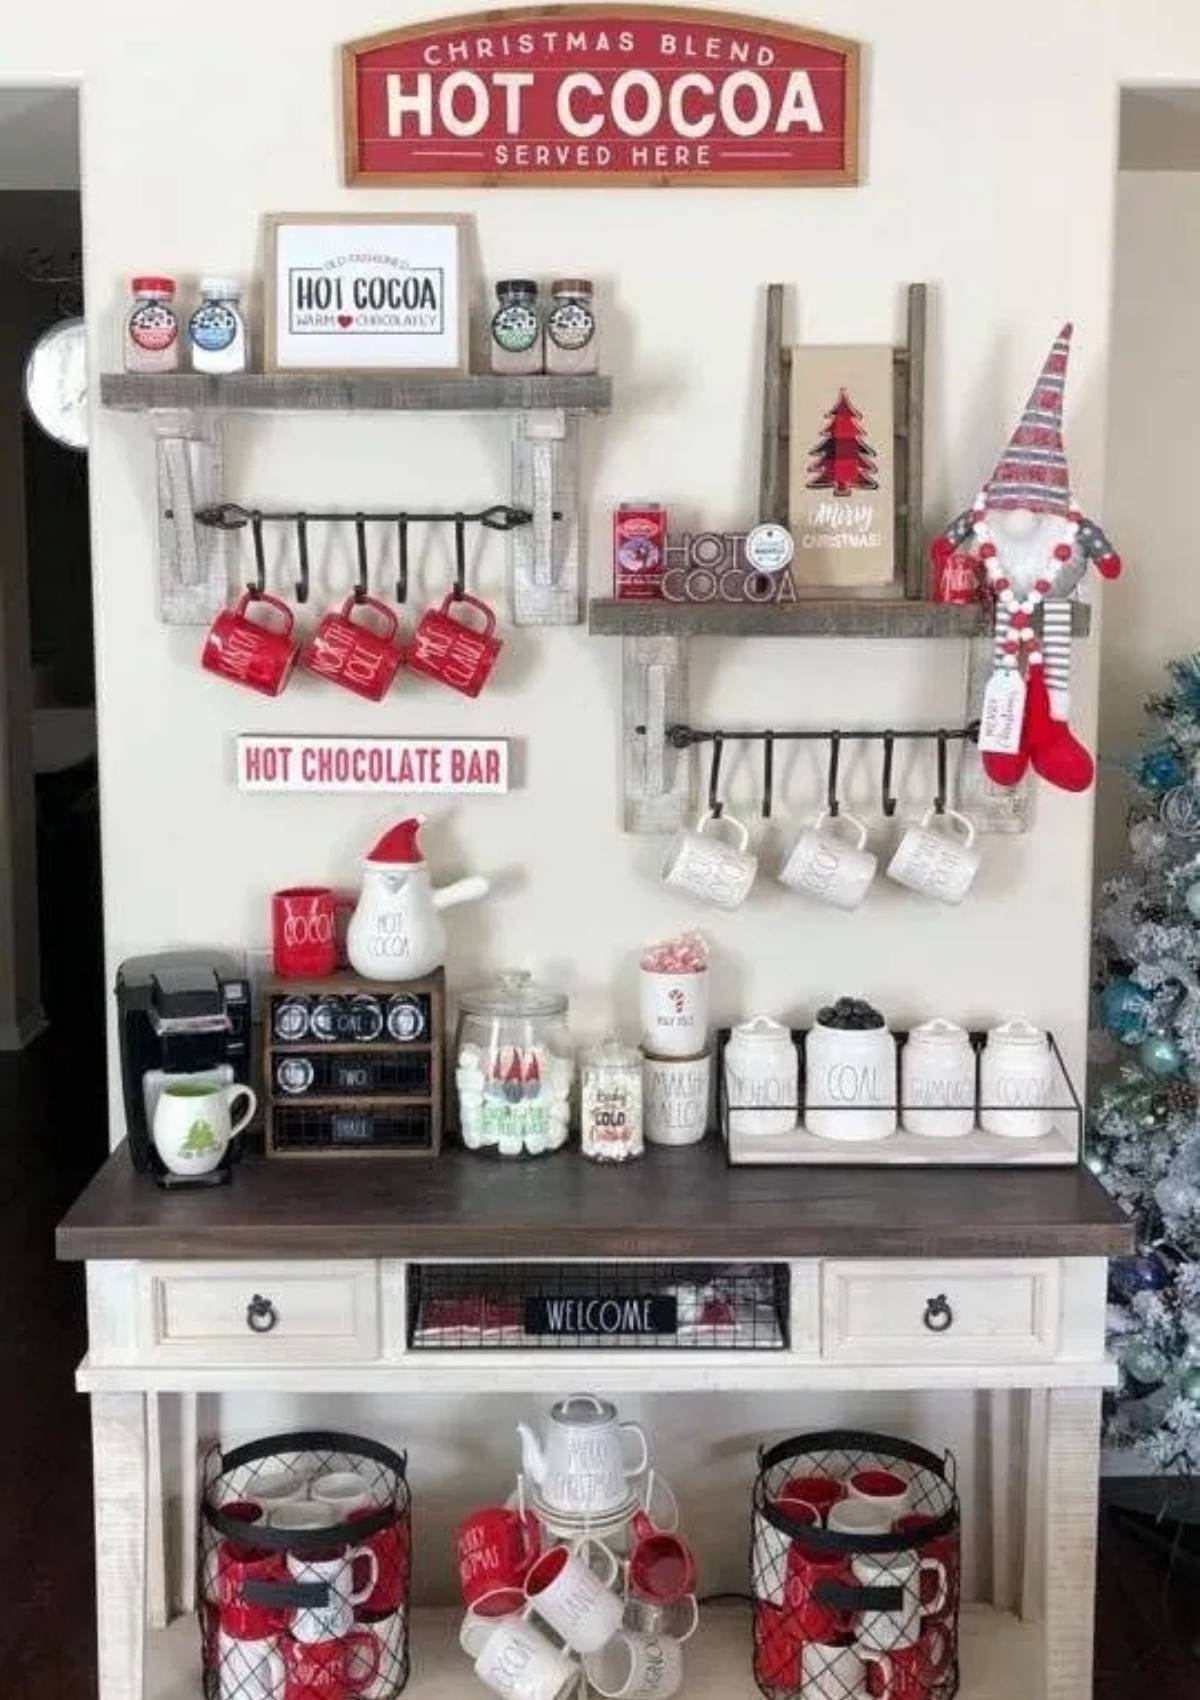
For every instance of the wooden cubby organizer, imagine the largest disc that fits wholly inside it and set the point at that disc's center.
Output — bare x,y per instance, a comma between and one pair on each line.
186,412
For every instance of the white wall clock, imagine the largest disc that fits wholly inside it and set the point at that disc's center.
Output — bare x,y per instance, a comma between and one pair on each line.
56,383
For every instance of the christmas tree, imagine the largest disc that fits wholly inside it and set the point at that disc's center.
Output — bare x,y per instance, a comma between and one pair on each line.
843,461
1144,1127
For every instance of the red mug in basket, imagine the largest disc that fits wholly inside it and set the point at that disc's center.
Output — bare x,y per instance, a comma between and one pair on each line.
496,1548
916,1671
349,653
304,931
662,1567
778,1644
446,648
821,1493
238,1564
249,652
809,1616
330,1670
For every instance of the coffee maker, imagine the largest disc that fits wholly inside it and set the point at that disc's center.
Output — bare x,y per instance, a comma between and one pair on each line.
182,1013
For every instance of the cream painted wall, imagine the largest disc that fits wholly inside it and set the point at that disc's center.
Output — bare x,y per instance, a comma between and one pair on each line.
1153,451
990,162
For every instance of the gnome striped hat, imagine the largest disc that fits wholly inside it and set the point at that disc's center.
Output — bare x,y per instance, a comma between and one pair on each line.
1032,471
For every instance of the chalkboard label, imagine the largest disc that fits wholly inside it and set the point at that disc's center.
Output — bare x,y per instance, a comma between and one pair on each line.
602,1317
351,1130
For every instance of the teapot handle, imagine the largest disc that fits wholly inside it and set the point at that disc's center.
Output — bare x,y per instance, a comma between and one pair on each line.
636,1469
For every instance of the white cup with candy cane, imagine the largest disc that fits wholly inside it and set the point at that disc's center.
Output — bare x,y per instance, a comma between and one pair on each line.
674,997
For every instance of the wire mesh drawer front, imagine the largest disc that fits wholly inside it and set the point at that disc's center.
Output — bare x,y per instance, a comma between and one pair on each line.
297,1130
347,1074
615,1306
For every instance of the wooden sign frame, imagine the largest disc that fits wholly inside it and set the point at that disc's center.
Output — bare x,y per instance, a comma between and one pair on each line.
461,223
355,176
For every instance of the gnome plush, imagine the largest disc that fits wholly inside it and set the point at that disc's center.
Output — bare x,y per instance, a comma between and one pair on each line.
1033,546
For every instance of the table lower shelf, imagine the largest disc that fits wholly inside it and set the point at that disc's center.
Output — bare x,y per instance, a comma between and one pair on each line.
1000,1659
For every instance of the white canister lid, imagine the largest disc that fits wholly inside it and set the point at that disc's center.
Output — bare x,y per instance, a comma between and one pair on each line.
939,1031
1019,1031
762,1030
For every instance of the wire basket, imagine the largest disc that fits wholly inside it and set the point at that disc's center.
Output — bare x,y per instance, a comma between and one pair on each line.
869,1607
303,1568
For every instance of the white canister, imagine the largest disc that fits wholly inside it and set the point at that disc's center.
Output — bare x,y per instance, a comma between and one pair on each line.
674,1013
850,1082
937,1081
675,1098
762,1078
1016,1081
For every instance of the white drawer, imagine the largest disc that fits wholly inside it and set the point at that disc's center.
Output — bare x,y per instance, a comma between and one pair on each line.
969,1311
306,1313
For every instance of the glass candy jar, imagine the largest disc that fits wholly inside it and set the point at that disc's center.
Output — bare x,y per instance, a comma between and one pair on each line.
513,1067
611,1095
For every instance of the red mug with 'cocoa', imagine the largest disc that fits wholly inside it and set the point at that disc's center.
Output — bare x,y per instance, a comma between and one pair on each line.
247,650
350,653
304,931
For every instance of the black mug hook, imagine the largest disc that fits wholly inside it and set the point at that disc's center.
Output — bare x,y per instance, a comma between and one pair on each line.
889,756
939,802
715,805
402,558
362,587
768,772
835,755
302,557
258,586
460,557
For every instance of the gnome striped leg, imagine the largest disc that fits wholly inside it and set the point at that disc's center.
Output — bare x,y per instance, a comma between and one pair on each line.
1054,749
1004,768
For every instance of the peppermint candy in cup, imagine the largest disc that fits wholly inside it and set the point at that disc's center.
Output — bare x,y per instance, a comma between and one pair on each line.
674,997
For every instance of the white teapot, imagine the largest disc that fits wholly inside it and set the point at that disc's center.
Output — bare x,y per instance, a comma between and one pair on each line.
581,1467
396,931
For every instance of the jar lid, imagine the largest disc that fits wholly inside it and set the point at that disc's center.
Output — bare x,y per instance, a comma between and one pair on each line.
513,992
571,286
611,1053
579,1409
939,1029
1019,1031
220,288
154,285
516,286
762,1028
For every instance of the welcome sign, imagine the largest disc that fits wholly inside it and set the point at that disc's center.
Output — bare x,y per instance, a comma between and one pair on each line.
597,95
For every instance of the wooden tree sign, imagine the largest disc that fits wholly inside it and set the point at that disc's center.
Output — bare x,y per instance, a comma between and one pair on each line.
603,94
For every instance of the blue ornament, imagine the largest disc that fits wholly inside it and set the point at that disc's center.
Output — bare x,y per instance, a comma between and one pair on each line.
1160,1055
1129,1276
1145,1365
1125,1010
1162,768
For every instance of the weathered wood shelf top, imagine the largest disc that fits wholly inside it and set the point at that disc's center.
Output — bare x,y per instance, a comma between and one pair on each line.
674,1203
350,392
851,618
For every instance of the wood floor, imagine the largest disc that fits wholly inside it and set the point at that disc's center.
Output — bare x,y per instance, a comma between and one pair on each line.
52,1116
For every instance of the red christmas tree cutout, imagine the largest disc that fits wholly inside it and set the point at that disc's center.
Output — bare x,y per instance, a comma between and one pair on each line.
843,460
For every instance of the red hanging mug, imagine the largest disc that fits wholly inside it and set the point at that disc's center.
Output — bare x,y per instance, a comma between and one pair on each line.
247,651
447,649
304,931
348,653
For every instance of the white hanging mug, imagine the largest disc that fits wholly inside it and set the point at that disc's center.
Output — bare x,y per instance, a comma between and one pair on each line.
192,1125
828,868
708,866
936,863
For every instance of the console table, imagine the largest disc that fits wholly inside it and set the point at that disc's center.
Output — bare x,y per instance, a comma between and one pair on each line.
179,1285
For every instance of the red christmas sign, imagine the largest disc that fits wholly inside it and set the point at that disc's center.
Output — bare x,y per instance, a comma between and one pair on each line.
600,95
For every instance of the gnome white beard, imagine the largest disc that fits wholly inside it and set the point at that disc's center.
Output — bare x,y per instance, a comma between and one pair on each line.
1025,544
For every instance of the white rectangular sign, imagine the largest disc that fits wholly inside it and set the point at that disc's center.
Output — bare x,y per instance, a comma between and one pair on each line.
430,765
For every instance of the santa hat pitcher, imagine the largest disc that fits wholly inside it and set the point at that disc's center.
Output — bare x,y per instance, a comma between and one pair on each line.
396,931
1033,545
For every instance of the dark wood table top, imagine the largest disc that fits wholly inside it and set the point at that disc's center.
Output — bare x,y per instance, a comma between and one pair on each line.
674,1203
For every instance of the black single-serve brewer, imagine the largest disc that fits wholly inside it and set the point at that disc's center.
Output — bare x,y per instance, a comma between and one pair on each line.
181,1015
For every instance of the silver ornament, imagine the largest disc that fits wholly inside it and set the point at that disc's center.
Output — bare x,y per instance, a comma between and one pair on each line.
1094,1161
1148,840
1190,1385
1192,898
1180,812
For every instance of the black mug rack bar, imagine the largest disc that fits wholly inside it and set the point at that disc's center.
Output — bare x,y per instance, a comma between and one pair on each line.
233,516
684,737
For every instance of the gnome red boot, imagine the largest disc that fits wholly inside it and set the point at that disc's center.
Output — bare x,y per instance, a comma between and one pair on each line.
1055,751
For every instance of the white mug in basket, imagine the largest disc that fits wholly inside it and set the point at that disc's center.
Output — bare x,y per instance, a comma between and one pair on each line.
828,868
937,864
710,867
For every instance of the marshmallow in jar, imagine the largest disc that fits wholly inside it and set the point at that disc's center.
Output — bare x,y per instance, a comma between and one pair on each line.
850,1073
674,997
1016,1081
513,1067
937,1080
762,1078
610,1127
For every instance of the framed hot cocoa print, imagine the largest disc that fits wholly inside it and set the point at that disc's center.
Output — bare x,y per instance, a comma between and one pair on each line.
367,292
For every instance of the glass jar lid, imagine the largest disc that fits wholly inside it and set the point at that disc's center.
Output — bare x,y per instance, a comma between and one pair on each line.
612,1054
516,286
571,286
513,992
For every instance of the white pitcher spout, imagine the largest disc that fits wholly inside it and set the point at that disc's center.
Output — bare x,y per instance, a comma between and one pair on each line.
462,891
533,1459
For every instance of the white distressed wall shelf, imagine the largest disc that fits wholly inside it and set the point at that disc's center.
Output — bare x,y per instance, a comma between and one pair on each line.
185,411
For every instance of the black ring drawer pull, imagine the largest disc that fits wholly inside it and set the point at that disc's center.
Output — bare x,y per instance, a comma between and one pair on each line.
261,1315
938,1315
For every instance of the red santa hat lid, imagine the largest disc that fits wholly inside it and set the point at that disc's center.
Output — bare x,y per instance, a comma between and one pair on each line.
399,843
1032,471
